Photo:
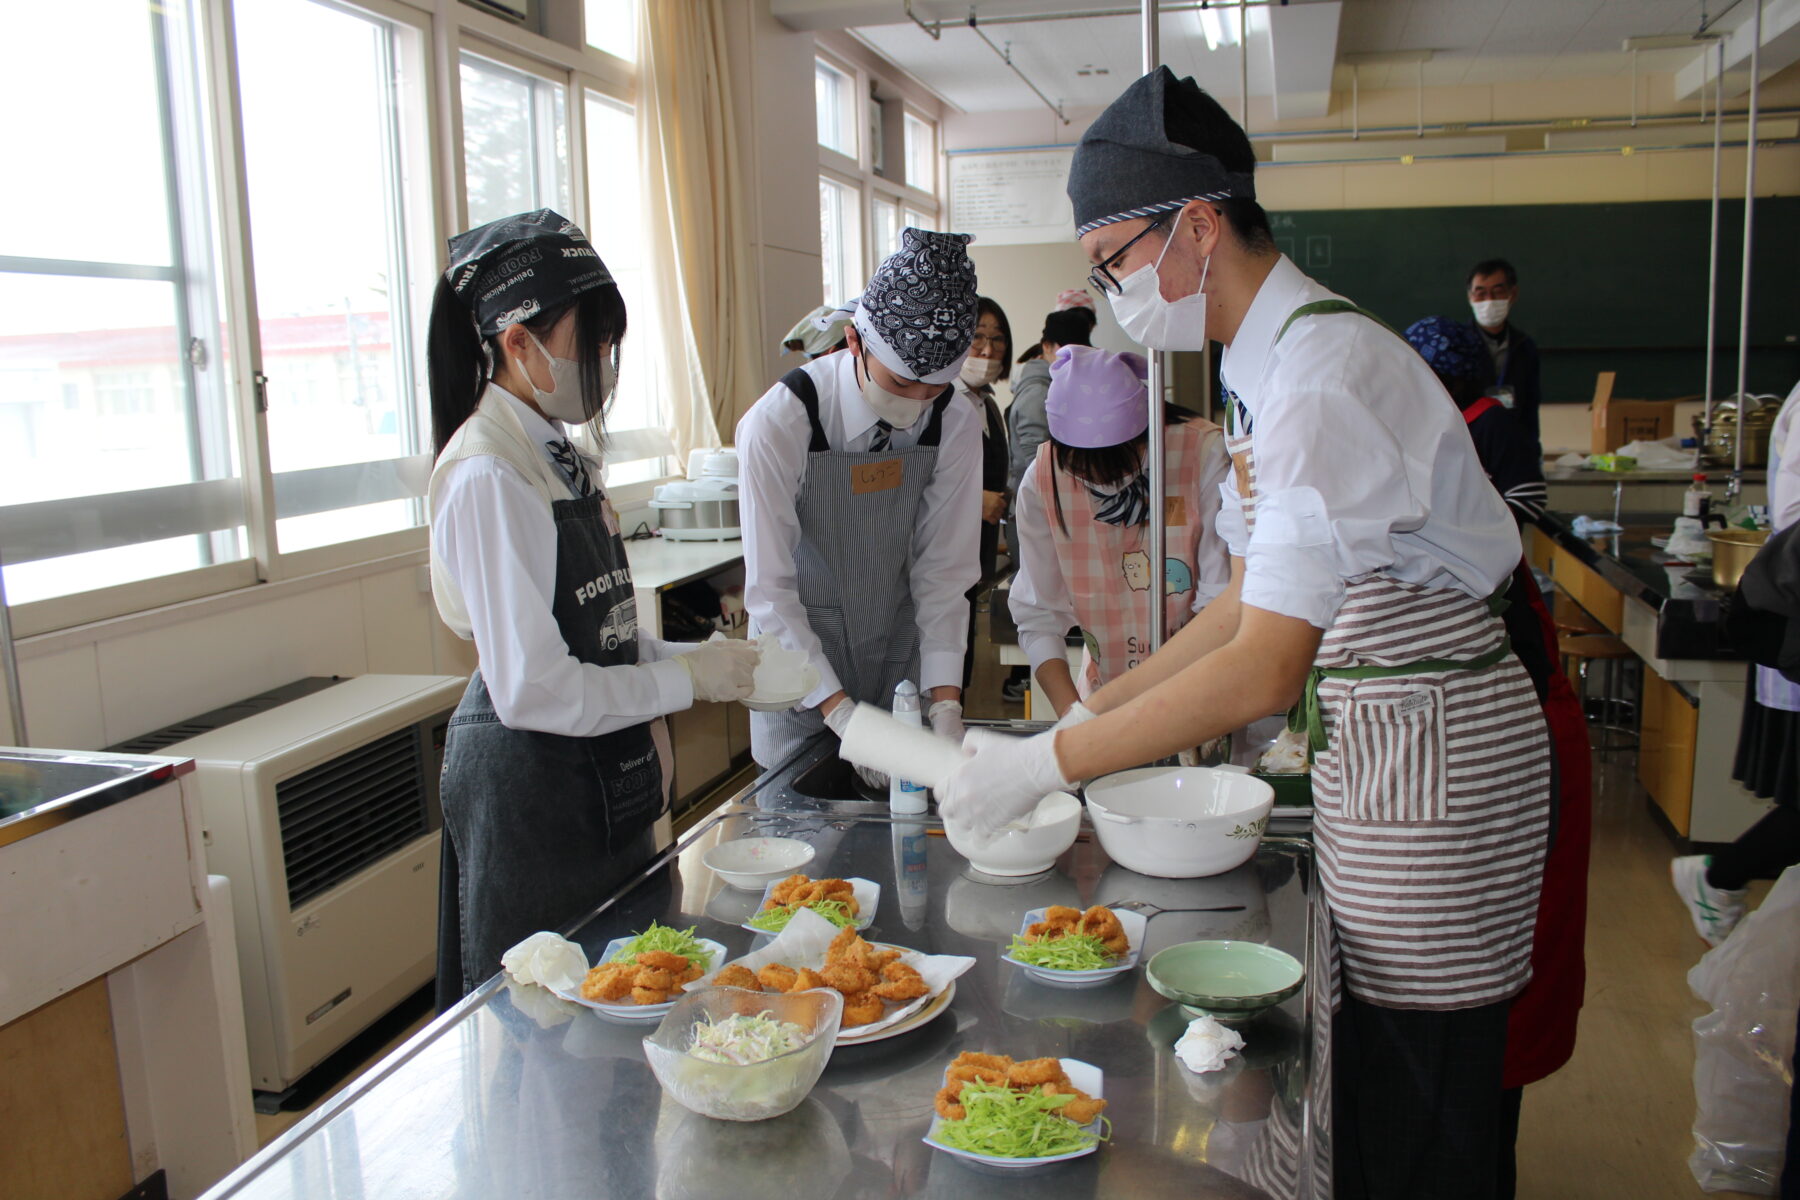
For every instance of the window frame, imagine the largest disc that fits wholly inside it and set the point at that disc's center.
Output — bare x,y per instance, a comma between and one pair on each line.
850,108
215,235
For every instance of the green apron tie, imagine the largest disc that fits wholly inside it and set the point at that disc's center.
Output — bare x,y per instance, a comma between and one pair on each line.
1305,714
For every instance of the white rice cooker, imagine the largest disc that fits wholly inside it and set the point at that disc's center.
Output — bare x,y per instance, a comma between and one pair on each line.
698,510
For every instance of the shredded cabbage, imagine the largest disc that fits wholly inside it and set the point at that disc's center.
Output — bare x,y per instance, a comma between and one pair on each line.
1005,1123
661,937
1075,952
774,920
741,1039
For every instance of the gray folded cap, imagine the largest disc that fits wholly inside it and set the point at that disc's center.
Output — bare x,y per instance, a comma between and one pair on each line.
1125,165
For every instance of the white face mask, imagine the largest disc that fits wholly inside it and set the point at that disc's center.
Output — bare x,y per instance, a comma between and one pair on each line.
1161,324
564,401
979,372
898,411
1489,313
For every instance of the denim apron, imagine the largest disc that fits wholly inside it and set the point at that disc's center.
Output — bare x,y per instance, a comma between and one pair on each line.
853,567
540,827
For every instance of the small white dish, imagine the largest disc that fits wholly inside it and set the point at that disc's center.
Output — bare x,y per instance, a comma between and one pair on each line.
1086,1076
867,893
765,702
1134,925
751,863
633,1012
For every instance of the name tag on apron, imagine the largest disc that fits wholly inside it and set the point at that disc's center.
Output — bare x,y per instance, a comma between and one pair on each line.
1174,511
883,476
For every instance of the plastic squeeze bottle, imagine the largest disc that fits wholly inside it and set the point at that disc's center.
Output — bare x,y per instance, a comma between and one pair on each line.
905,796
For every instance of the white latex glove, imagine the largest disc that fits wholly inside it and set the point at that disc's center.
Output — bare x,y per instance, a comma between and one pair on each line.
836,720
1002,783
1078,712
946,720
722,670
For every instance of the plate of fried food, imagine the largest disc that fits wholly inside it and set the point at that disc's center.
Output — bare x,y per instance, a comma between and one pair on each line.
995,1111
639,978
1065,947
843,902
887,990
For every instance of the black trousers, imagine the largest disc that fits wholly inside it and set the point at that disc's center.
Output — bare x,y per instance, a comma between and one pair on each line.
1763,851
1416,1101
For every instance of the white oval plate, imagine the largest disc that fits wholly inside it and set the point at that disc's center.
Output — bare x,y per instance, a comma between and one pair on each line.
1086,1076
1134,925
632,1012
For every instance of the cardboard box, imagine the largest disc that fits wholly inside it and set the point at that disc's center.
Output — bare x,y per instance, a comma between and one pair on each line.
1617,422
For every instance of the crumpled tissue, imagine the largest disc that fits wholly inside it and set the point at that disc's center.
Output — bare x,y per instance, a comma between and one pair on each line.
548,960
780,671
1584,526
1207,1045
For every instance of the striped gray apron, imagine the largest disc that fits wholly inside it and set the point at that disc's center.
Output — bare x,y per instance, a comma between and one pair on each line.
853,568
1431,794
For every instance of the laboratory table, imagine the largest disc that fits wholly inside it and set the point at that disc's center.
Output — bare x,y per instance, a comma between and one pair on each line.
512,1093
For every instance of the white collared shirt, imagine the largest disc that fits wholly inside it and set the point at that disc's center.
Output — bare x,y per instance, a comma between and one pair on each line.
772,441
1363,463
495,536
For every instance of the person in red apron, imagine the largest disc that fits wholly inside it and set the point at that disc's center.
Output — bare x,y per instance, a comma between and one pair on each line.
1083,515
1541,1026
1366,547
554,763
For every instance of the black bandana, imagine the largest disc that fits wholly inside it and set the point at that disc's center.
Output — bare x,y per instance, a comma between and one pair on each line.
918,313
512,269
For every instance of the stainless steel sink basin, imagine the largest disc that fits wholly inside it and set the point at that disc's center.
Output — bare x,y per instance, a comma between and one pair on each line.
31,780
834,785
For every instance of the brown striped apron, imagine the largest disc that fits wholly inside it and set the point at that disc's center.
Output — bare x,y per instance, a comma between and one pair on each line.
1430,795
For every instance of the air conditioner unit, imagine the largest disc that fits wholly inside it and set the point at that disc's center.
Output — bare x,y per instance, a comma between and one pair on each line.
323,813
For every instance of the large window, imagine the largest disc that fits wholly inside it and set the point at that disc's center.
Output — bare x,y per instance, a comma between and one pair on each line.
838,242
921,154
117,447
515,141
616,228
885,226
335,238
612,27
835,99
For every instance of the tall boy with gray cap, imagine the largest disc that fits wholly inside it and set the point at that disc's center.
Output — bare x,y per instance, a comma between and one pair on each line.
1366,543
861,496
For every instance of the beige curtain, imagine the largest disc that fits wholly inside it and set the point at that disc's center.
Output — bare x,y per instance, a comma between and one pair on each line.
696,197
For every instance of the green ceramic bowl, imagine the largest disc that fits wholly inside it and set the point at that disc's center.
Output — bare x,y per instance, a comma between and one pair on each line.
1232,981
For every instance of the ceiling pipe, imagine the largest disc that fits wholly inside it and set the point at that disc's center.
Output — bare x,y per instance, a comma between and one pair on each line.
1154,454
1712,269
1006,57
935,29
1736,486
1190,6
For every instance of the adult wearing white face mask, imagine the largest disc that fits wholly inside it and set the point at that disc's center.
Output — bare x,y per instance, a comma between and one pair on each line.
1493,294
554,764
861,495
1365,542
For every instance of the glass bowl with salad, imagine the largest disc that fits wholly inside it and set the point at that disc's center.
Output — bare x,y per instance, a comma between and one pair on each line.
738,1055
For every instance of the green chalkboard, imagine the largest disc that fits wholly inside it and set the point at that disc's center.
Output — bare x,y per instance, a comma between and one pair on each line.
1603,287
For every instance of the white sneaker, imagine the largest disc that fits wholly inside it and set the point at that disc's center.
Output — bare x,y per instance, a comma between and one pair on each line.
1715,911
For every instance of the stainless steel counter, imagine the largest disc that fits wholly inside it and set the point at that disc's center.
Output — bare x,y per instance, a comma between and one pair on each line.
41,789
509,1094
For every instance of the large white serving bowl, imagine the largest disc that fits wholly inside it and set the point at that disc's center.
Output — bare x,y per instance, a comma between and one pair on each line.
1179,822
1052,829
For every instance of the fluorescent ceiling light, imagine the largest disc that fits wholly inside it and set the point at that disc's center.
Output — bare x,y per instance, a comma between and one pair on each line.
1215,28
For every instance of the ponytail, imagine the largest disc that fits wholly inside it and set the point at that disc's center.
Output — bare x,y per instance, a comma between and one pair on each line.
456,364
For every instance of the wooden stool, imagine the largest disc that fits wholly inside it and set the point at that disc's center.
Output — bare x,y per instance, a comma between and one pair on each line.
1611,709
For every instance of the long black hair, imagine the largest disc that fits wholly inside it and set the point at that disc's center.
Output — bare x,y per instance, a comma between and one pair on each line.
1064,327
1107,466
985,307
459,362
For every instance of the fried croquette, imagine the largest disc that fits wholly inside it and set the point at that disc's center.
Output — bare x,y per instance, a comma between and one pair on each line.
847,978
805,979
607,983
798,890
643,995
901,983
692,973
738,976
776,977
947,1105
662,960
654,979
864,1008
1061,915
1033,1072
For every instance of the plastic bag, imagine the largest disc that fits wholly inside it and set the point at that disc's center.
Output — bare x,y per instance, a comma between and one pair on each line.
1744,1048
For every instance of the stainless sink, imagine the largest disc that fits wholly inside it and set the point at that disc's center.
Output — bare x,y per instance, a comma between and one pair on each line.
31,780
834,786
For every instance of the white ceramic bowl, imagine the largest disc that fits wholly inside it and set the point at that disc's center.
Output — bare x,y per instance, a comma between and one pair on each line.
1179,822
752,863
1025,851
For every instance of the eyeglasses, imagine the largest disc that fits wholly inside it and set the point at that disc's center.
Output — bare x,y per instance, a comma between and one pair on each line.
1102,279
